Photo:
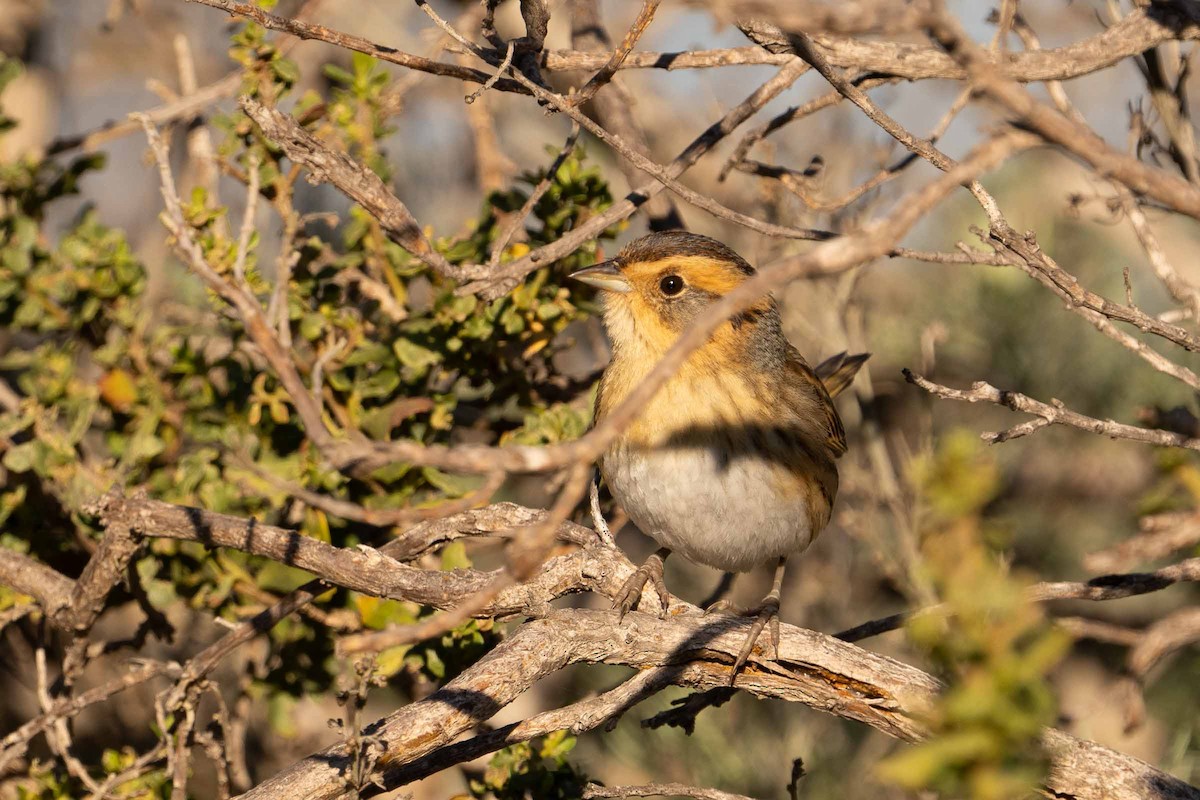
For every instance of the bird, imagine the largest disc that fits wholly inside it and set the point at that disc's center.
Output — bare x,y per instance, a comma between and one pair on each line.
732,464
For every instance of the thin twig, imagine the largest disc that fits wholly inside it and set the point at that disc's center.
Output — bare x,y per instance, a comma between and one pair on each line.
515,221
606,73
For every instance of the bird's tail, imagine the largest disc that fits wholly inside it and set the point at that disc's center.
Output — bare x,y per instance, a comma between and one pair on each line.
837,372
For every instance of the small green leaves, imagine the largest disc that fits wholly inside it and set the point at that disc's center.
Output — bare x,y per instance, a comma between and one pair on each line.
537,768
171,393
993,644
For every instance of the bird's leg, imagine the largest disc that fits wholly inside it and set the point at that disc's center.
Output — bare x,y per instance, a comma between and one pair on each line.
651,571
598,521
767,611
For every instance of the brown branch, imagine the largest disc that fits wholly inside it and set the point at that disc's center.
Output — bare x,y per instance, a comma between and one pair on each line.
591,59
609,70
614,109
493,283
1132,36
308,30
104,570
686,648
814,670
873,240
1158,536
50,588
662,174
697,650
1104,587
1058,128
594,791
360,184
1055,413
1116,587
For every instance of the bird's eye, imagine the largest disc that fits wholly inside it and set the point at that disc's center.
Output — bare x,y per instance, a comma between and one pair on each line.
671,285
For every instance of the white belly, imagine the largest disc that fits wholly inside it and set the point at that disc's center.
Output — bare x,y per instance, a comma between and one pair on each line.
724,515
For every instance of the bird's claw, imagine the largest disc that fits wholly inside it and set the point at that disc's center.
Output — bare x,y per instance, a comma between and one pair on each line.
631,591
724,606
766,612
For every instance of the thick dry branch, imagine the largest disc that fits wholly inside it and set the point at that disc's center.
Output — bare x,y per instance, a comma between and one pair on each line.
1132,36
362,569
50,588
360,184
815,670
591,60
594,791
104,570
1140,30
687,650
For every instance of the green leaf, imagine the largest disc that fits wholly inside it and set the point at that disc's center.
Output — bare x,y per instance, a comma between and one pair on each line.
415,356
452,485
23,457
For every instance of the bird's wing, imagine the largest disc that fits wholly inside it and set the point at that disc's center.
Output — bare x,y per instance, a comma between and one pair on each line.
837,372
813,397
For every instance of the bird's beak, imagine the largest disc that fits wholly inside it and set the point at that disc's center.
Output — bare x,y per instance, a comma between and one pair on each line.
605,275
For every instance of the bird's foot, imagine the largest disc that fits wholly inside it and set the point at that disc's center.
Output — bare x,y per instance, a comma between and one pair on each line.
766,612
652,572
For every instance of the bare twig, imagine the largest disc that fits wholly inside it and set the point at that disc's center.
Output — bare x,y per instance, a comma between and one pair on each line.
594,791
1158,536
606,73
515,221
248,217
359,183
1056,413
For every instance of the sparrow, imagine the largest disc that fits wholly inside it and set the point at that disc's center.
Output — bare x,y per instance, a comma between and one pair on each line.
732,464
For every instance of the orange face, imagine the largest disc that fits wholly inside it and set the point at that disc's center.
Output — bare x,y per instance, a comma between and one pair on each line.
649,301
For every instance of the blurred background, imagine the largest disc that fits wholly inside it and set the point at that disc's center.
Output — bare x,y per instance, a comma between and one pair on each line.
1042,504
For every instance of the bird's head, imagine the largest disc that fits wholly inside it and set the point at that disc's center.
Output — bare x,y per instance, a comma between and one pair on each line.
657,285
